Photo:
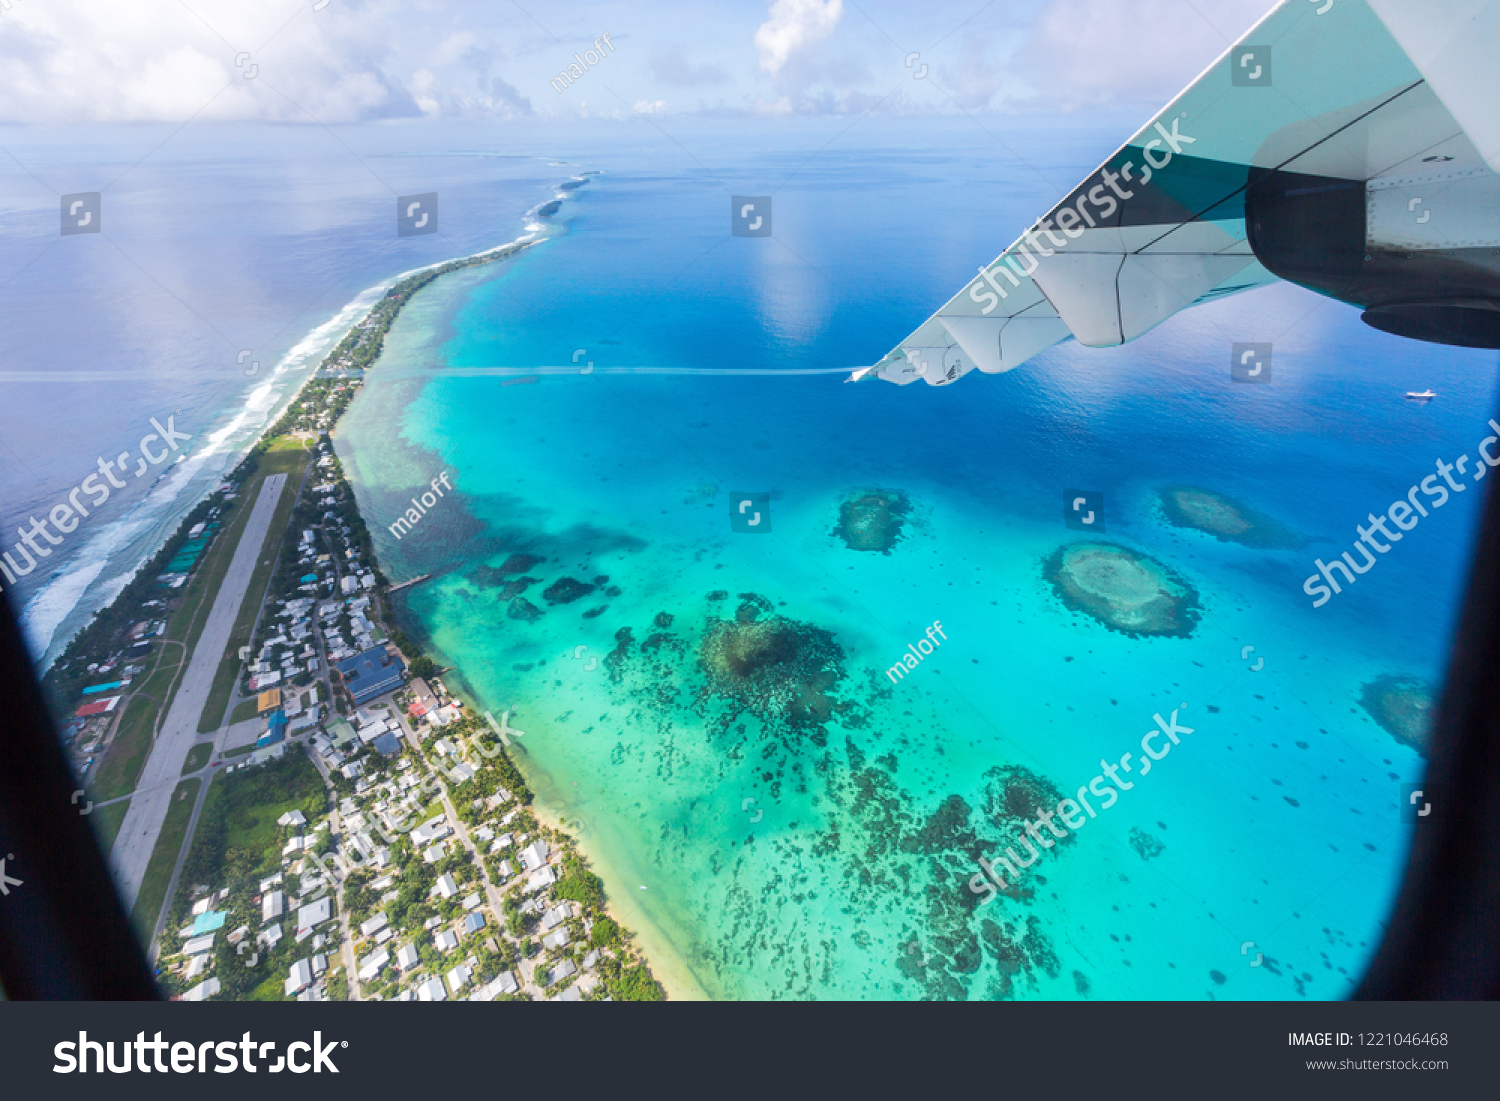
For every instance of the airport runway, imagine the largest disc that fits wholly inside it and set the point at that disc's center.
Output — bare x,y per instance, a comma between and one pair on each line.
148,810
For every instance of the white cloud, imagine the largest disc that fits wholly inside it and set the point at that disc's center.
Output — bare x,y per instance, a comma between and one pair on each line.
792,25
76,60
1084,53
66,61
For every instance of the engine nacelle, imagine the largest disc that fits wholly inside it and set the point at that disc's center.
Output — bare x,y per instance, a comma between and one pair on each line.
1420,255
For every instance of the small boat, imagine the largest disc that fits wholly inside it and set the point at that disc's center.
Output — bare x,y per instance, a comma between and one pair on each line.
1423,396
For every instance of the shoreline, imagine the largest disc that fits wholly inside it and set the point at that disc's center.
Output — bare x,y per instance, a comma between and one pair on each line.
668,966
353,351
234,458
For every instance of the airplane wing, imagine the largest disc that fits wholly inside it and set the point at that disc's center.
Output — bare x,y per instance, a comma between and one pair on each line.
1350,146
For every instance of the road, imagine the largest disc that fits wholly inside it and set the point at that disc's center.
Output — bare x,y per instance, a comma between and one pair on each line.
526,967
153,796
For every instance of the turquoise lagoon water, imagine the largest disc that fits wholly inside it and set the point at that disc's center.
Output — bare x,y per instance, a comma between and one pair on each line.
765,857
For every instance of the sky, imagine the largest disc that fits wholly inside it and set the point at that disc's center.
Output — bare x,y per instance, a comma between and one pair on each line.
369,61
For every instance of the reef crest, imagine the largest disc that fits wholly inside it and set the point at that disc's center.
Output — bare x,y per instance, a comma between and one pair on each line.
872,520
1402,706
1225,518
1125,590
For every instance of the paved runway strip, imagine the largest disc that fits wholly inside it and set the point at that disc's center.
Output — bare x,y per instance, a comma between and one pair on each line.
148,810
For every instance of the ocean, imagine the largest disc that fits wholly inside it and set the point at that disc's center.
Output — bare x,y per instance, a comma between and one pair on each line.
230,259
712,710
599,403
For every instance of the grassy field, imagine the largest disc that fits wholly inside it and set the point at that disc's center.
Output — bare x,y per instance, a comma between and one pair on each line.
126,756
240,752
106,822
291,461
241,811
253,800
245,709
197,757
121,768
163,859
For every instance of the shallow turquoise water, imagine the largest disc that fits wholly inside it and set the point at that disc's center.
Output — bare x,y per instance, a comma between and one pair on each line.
829,859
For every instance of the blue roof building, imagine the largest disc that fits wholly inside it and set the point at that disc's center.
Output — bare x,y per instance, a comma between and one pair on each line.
371,674
275,729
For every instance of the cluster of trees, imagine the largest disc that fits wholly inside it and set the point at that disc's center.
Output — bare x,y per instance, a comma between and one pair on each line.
497,771
236,846
418,664
578,883
104,632
630,982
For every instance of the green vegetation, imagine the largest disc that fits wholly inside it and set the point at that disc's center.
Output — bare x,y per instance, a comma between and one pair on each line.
631,983
163,860
240,751
605,933
241,812
68,675
237,844
578,883
106,822
292,463
126,756
418,664
245,709
197,757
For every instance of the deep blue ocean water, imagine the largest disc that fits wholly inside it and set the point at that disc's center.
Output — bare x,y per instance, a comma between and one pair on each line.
759,858
763,861
215,240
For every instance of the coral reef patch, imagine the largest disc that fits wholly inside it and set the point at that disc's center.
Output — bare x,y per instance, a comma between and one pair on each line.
872,520
565,590
1145,845
1225,518
1402,706
520,563
769,664
1125,590
523,609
